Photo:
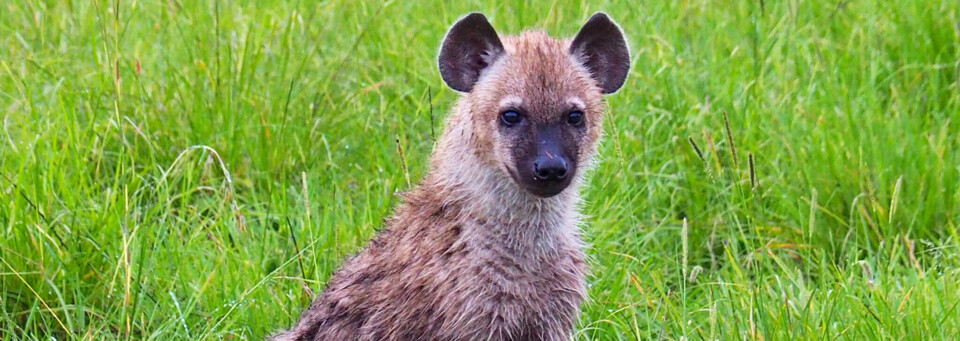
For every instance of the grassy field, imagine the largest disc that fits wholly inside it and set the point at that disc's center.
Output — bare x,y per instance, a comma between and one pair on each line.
196,169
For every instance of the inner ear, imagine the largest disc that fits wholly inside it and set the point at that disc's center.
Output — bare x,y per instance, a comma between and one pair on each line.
602,48
470,46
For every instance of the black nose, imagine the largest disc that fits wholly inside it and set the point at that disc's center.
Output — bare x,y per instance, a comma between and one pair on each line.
550,168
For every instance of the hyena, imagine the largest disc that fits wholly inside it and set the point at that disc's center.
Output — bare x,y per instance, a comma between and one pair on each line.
487,246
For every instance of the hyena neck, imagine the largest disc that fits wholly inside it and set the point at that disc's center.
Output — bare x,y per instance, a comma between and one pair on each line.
515,217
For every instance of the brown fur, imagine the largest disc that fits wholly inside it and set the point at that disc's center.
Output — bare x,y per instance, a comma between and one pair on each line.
469,254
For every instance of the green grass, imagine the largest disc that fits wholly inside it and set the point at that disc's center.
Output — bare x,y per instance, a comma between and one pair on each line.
193,170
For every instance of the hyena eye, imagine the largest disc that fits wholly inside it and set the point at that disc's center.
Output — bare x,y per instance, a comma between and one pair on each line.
510,117
575,118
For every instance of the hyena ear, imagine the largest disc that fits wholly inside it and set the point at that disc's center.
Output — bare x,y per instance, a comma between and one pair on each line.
471,46
602,48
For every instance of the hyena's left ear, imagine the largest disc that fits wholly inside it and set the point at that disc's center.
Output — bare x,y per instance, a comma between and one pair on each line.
601,47
471,46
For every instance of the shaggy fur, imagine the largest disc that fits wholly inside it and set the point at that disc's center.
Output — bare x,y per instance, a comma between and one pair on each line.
469,254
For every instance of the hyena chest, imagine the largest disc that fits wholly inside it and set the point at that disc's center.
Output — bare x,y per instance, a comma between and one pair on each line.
505,296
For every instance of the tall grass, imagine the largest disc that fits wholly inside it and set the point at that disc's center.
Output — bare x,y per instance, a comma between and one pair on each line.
197,169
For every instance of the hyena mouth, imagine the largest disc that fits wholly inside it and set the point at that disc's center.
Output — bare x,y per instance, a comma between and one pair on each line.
547,188
538,189
540,186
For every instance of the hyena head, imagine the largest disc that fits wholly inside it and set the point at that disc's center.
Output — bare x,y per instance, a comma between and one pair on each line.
534,103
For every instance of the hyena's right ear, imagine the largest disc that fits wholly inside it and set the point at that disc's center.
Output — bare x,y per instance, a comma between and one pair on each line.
471,46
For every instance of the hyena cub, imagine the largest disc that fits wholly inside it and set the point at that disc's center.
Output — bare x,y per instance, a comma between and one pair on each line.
487,246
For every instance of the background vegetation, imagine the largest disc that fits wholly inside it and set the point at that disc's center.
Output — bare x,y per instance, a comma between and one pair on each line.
196,169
